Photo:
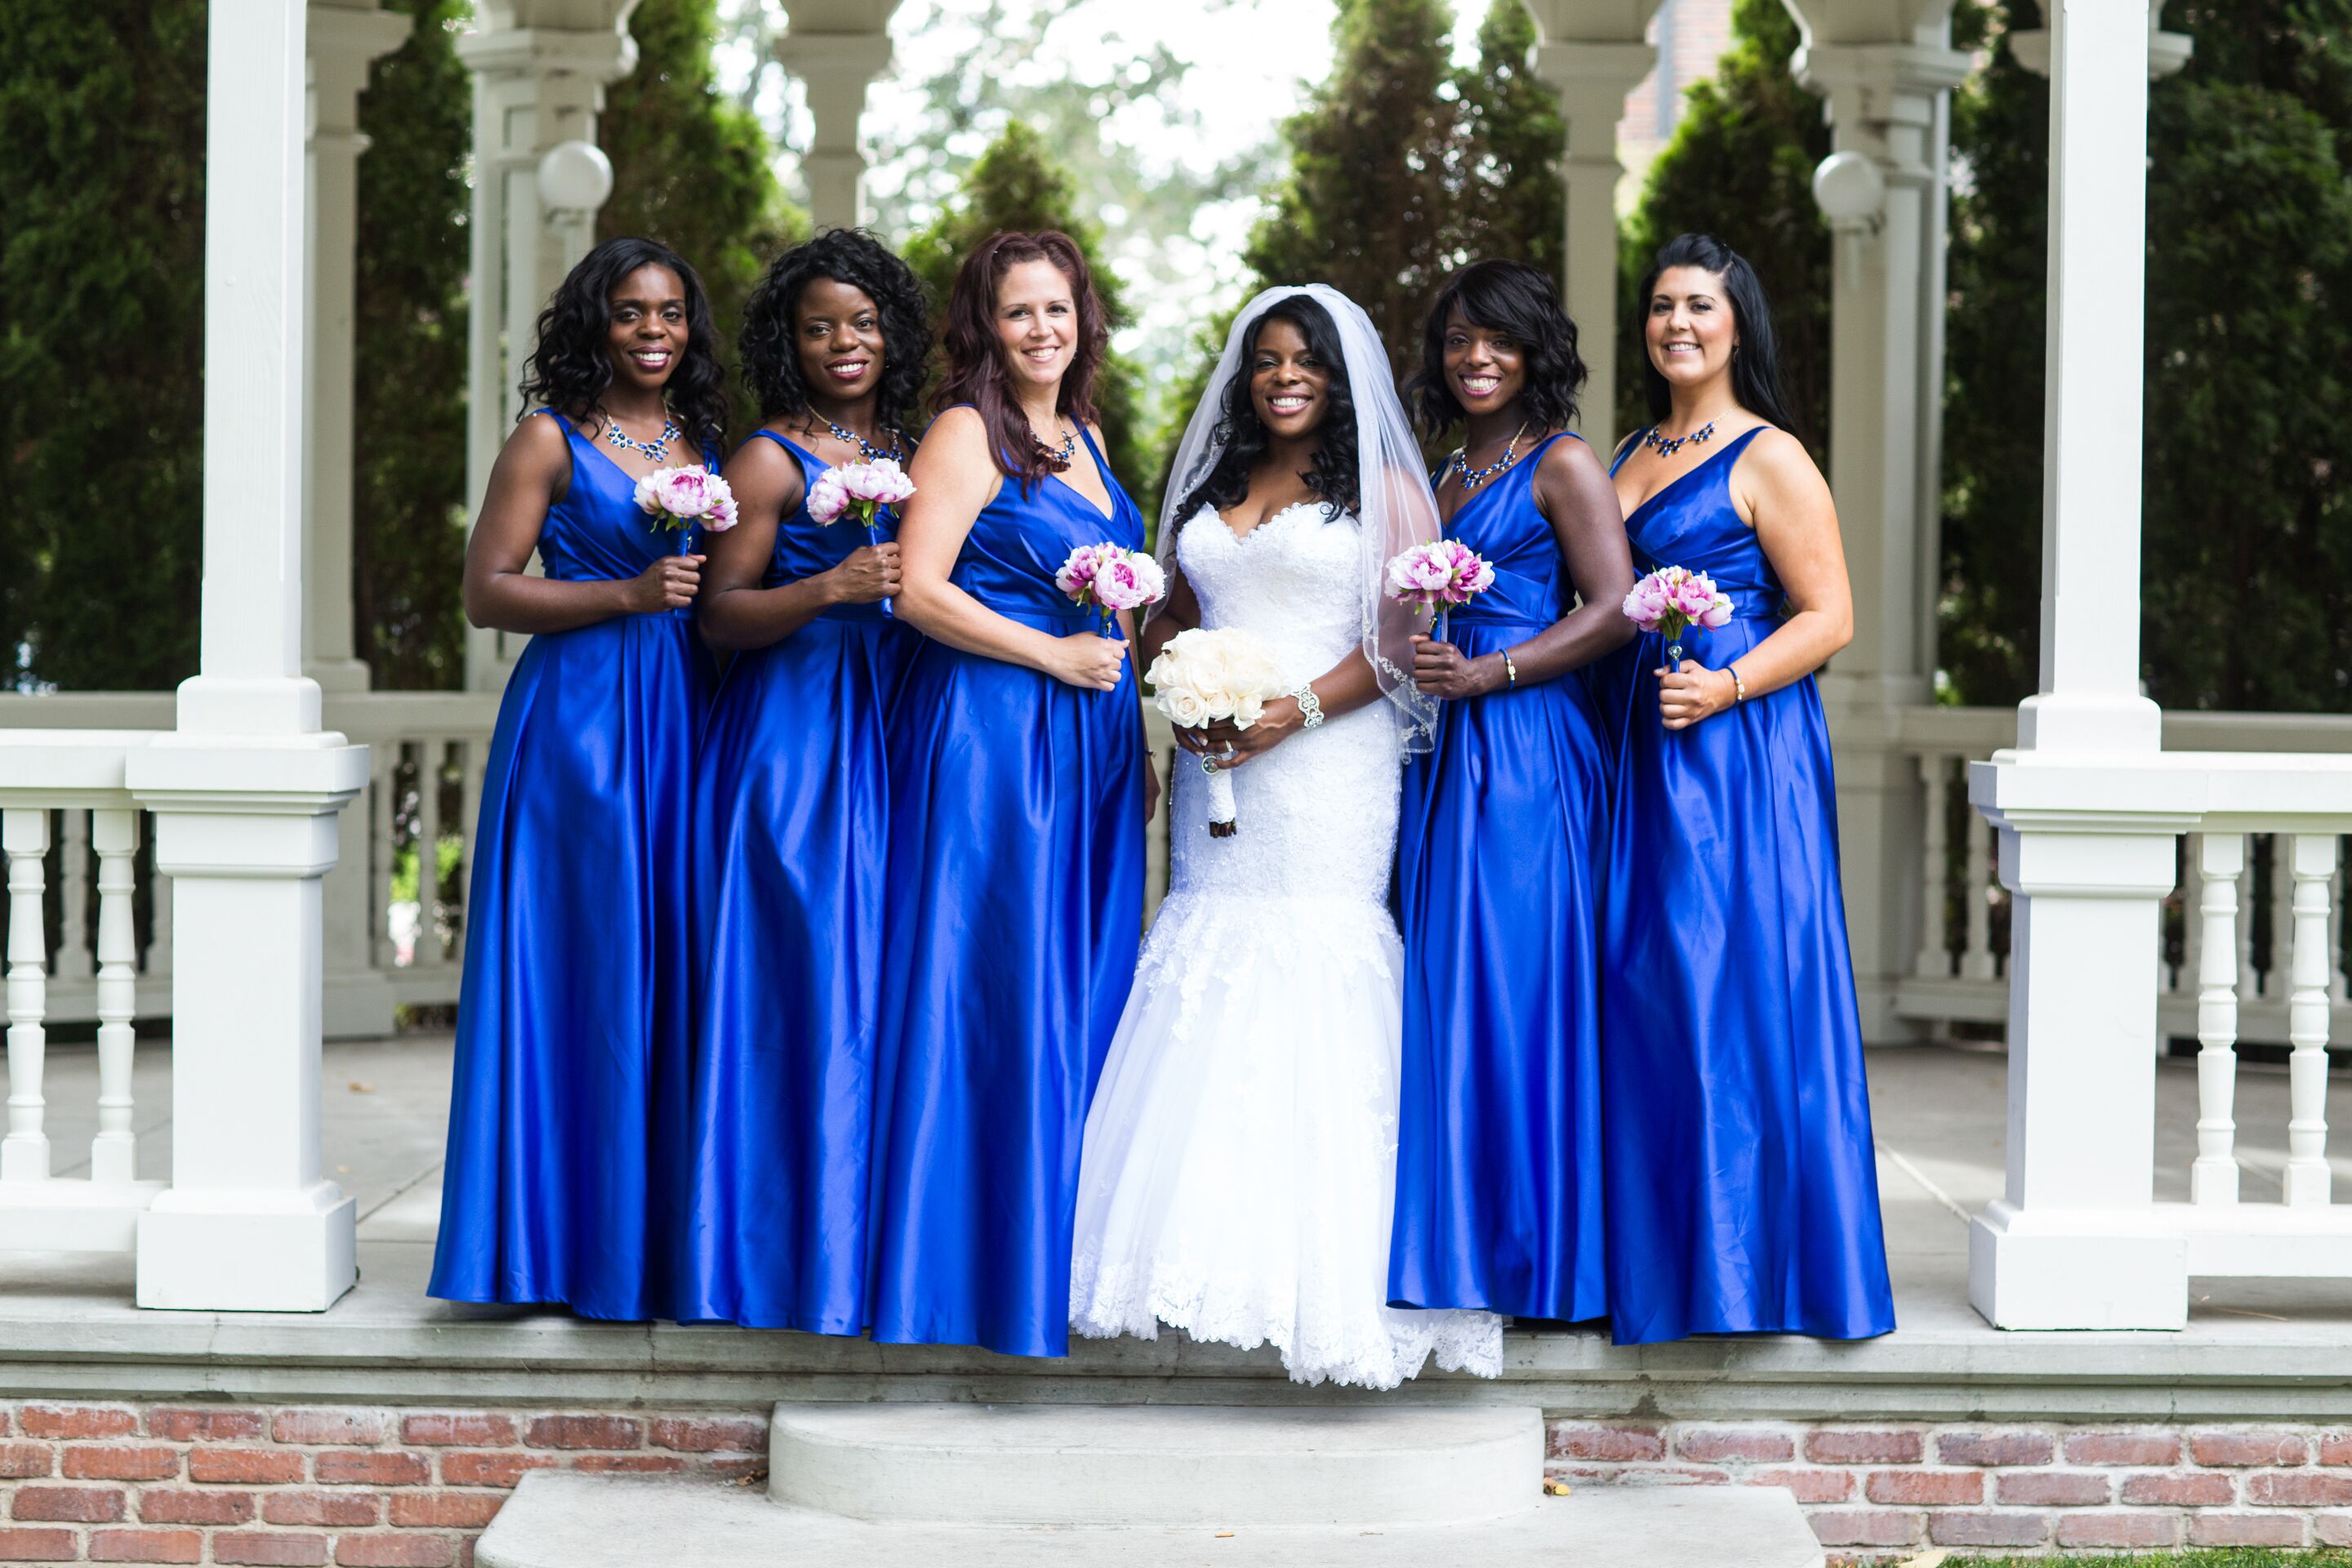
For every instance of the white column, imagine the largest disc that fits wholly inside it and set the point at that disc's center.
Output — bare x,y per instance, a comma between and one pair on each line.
835,68
1593,52
534,88
345,37
246,790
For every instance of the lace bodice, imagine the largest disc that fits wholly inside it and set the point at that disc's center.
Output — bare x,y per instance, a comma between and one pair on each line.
1296,581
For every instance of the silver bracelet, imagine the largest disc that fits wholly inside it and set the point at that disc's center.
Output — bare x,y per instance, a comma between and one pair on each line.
1310,707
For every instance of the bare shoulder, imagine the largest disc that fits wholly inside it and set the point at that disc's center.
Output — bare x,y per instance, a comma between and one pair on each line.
758,459
1776,477
1779,458
540,437
959,428
1571,459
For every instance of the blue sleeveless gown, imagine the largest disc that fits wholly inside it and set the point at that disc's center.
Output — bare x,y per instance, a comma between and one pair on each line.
1742,1192
1499,849
1016,906
791,833
567,1121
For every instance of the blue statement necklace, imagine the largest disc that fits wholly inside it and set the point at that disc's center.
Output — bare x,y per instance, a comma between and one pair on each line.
1473,477
655,450
1667,448
866,449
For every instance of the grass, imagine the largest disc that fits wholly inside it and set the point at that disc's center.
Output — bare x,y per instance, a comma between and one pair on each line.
2235,1557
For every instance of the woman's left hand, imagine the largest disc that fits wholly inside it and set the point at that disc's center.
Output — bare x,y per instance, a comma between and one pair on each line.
1232,747
1692,693
1442,671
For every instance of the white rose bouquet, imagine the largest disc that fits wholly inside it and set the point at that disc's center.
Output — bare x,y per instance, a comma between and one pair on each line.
1204,675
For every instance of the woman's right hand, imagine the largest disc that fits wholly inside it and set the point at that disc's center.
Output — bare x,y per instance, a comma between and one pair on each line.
1088,660
669,584
868,575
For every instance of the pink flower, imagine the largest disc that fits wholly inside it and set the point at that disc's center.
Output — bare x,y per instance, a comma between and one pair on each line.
1443,571
1672,599
678,498
1076,578
828,497
1111,579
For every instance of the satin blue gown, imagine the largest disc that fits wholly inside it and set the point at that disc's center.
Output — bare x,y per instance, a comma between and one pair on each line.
1742,1190
1016,908
567,1120
1499,849
792,815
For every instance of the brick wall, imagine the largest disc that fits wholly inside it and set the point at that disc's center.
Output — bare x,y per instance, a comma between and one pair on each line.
1880,1492
354,1486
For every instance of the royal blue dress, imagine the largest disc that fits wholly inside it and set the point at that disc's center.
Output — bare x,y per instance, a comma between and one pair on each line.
1016,906
792,814
1499,849
1742,1194
567,1120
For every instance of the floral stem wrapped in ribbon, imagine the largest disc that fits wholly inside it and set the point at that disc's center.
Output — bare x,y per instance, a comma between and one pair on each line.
1439,575
862,490
1111,580
1672,600
1202,676
685,498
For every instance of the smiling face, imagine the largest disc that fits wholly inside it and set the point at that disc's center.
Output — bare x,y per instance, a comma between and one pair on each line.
1690,329
649,331
1036,323
1485,368
1290,384
838,329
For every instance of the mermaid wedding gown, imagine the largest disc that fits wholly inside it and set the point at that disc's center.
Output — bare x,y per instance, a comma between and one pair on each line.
1239,1167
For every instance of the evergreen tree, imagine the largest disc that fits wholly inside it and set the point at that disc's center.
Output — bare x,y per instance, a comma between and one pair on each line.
1740,167
1511,204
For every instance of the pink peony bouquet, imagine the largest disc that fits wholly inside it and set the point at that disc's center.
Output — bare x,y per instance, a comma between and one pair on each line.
861,488
1672,600
687,497
1438,576
1111,580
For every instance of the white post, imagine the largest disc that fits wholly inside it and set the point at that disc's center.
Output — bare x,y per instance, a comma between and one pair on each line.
24,839
1935,961
835,68
74,961
2221,859
114,1152
245,791
1593,52
2309,860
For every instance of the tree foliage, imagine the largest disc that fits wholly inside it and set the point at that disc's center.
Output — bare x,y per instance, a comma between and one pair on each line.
1512,203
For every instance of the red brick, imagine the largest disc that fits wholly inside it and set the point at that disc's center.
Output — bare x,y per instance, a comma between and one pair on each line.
79,1505
2332,1529
1995,1447
731,1435
1845,1447
4,1427
735,1466
1972,1529
1808,1486
223,1424
2181,1488
121,1463
630,1464
2122,1449
38,1546
489,1470
320,1428
19,1461
395,1550
1926,1487
181,1505
2126,1530
2248,1448
2052,1488
1619,1442
357,1466
78,1421
445,1510
1711,1445
244,1467
271,1548
2245,1530
147,1546
2298,1489
323,1508
444,1430
2336,1448
1857,1527
586,1432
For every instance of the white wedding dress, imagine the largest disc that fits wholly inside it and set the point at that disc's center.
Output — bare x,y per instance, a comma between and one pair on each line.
1239,1166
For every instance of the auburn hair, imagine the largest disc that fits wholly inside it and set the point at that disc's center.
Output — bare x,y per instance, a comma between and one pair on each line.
975,371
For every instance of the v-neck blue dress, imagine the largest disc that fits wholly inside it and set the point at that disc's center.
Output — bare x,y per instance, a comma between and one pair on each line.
1499,860
1742,1188
792,840
567,1120
1016,911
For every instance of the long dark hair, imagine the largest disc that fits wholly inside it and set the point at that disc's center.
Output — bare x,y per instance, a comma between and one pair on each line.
1331,479
570,368
769,344
1512,298
975,355
1756,361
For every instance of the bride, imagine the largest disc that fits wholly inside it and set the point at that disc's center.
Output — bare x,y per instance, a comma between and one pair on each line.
1239,1165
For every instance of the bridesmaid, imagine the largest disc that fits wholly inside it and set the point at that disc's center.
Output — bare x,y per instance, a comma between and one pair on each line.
567,1126
791,801
1498,1180
1018,785
1743,1198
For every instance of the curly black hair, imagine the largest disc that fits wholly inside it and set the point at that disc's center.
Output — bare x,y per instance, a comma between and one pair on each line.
769,344
570,367
1523,302
1332,477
